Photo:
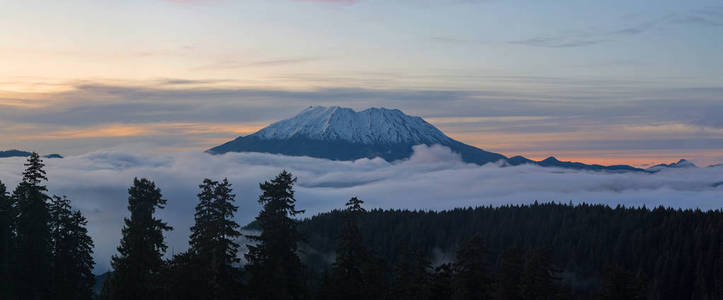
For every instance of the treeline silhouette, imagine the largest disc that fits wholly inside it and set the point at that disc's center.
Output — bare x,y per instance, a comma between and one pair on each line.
45,250
588,250
540,251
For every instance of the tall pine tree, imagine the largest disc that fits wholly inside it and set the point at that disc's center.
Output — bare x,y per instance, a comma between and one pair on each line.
347,278
441,285
472,280
213,240
421,277
274,267
539,281
140,255
72,276
403,285
6,279
34,249
621,284
356,273
183,278
509,284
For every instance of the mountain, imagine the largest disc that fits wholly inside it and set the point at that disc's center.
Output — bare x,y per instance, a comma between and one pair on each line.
343,134
340,133
13,153
553,162
18,153
680,164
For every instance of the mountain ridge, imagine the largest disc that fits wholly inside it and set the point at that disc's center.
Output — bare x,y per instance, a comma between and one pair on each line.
20,153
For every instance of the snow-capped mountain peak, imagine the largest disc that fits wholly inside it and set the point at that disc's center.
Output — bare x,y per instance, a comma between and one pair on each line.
340,133
369,126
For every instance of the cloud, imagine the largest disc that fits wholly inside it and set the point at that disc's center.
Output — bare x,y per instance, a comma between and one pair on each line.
92,103
559,42
433,178
586,37
233,64
709,16
550,114
331,1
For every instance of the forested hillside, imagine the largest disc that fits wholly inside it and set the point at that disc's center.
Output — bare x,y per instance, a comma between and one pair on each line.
675,253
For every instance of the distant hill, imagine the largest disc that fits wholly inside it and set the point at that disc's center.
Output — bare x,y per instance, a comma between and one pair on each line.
677,165
340,133
19,153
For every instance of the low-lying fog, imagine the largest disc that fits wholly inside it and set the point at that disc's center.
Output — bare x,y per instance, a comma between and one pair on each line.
433,178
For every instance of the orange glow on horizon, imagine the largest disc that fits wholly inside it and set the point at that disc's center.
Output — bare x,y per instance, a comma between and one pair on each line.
150,129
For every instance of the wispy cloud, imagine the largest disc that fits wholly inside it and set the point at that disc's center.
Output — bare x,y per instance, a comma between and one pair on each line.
710,16
280,62
186,82
559,42
566,115
235,64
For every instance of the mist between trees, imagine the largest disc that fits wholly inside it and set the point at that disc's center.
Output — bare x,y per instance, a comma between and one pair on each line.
537,251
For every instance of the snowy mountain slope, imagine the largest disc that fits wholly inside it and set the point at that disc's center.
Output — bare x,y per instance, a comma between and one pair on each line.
370,126
339,133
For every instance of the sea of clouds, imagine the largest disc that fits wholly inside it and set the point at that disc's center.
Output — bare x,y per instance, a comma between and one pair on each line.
433,178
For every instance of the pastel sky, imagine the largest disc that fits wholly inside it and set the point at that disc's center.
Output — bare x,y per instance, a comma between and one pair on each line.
637,82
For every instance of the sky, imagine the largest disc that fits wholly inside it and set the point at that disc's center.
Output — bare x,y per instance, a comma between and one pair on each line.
636,82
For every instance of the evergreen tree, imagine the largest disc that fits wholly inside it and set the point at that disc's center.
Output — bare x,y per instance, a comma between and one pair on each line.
325,288
354,208
72,276
512,266
274,267
357,273
184,278
621,284
411,277
107,288
420,277
472,280
33,269
6,245
212,239
139,261
347,277
403,275
539,281
441,283
374,273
